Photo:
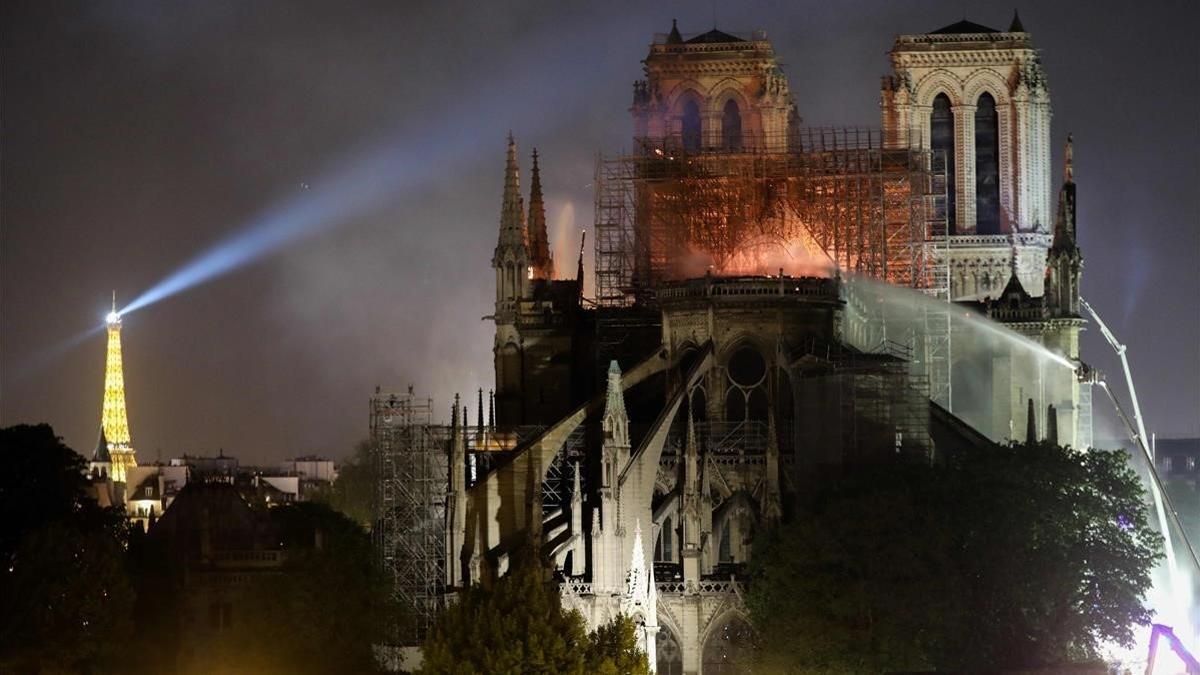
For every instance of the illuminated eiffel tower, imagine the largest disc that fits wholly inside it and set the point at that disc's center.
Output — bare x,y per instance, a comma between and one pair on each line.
114,421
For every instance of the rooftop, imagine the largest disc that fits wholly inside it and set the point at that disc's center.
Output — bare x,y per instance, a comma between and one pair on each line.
963,27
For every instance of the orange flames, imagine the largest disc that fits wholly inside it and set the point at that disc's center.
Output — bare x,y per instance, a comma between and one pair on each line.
757,257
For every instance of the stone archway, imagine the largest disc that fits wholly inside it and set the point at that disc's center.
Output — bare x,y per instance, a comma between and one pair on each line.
668,652
729,646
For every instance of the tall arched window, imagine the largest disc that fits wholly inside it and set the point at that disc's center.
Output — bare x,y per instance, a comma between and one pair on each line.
731,126
987,166
691,126
941,132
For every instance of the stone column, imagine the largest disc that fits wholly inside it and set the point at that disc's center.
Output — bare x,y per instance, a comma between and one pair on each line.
964,169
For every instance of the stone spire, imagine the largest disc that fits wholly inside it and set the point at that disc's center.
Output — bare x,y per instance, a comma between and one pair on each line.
1069,160
511,258
1031,435
578,551
641,597
1064,226
1064,260
1052,424
579,267
635,581
616,421
456,501
512,212
100,454
539,242
691,460
771,507
674,38
1016,26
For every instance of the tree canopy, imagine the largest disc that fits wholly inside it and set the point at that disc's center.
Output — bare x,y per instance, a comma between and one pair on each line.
1016,556
324,610
65,594
520,626
353,492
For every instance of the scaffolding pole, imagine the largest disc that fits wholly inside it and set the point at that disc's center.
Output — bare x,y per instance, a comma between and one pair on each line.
412,462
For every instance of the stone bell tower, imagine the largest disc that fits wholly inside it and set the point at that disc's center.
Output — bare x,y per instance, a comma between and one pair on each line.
713,91
979,96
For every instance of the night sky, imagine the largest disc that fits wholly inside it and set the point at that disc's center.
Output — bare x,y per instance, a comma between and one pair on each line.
136,135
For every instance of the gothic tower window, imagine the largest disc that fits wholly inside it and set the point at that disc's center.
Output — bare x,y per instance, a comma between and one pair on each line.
987,166
691,126
731,126
942,142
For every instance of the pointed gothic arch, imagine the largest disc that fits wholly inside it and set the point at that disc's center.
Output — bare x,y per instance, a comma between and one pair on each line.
731,125
668,649
986,80
731,107
942,141
940,81
729,644
735,521
987,165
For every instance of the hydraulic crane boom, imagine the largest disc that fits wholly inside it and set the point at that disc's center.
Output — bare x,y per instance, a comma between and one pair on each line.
1120,349
1137,433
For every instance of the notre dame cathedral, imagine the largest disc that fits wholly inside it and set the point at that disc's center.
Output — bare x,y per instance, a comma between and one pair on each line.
642,435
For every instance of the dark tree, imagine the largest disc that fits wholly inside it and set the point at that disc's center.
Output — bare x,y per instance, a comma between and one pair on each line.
863,581
520,626
1009,557
353,493
323,611
65,594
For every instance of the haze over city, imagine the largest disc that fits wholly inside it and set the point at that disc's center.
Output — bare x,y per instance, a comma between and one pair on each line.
139,136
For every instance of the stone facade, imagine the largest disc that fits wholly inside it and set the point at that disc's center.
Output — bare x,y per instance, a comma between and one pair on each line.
713,90
681,426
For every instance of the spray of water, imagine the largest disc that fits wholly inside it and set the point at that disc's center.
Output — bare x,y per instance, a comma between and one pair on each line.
1170,596
890,300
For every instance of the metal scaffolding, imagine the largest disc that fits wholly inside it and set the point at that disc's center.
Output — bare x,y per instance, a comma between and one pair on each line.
821,197
413,479
412,457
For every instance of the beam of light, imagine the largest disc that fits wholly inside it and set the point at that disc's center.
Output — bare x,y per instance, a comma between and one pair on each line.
345,193
45,356
416,156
